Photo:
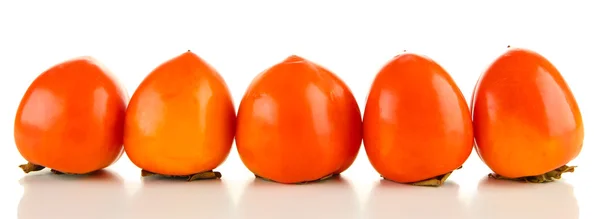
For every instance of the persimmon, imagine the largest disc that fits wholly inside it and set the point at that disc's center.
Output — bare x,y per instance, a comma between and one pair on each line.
70,119
298,122
526,121
417,127
181,120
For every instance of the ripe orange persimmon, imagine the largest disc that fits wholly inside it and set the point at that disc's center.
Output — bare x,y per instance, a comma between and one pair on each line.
298,122
417,127
180,120
526,121
71,119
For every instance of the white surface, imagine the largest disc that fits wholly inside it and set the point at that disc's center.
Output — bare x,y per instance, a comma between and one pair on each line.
240,39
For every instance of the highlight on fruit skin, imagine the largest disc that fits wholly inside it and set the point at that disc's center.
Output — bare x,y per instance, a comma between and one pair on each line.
527,123
181,120
298,123
70,119
417,129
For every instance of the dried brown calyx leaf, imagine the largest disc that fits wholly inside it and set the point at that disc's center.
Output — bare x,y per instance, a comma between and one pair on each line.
65,173
56,172
31,167
197,176
305,182
435,181
551,176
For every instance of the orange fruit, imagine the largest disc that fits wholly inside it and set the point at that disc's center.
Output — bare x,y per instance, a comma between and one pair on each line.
180,120
298,122
527,123
417,127
71,119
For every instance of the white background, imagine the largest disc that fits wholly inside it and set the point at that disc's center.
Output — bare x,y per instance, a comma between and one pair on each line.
242,38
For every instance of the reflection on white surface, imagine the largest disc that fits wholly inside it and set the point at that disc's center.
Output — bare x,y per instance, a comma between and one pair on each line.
394,200
104,195
165,198
333,198
497,199
49,196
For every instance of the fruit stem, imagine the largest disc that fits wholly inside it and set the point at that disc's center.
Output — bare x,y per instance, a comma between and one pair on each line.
196,176
550,176
303,182
31,167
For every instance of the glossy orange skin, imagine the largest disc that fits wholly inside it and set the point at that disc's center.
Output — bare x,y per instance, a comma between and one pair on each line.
416,123
298,122
71,118
181,118
525,118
